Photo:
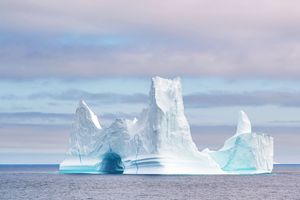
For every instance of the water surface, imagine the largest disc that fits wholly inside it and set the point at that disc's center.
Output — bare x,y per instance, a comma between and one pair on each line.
43,182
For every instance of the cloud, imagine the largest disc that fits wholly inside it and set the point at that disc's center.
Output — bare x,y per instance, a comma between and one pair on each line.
285,122
255,98
208,99
48,120
103,98
190,16
37,118
240,39
34,138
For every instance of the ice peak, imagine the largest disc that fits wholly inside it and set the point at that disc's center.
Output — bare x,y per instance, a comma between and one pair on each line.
159,81
82,103
167,124
166,93
244,125
83,111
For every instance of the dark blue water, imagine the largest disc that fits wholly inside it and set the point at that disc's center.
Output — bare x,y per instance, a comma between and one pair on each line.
43,182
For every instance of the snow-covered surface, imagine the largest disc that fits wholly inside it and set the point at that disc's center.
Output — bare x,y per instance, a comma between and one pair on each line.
159,141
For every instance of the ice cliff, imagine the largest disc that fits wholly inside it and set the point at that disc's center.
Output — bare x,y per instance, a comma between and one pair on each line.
245,151
159,141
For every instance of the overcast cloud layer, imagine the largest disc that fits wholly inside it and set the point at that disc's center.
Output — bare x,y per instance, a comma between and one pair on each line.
194,100
71,38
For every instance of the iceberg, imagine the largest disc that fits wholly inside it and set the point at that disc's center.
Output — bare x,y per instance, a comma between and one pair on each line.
159,141
245,152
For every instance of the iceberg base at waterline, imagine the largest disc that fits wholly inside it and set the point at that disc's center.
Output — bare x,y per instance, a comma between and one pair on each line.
148,164
159,141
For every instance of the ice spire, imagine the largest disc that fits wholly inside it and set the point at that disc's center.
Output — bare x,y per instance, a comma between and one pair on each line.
244,125
85,131
168,128
88,114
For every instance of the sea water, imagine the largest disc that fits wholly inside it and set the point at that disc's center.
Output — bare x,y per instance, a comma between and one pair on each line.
44,182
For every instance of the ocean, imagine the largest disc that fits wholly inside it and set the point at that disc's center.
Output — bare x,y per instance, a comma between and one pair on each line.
44,182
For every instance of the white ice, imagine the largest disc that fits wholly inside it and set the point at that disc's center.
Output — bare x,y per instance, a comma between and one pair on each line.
159,141
245,151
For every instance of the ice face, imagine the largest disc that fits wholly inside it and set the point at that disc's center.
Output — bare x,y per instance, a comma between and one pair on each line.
164,137
85,131
85,135
159,141
245,151
166,128
118,137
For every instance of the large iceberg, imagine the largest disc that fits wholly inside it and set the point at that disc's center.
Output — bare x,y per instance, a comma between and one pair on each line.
159,141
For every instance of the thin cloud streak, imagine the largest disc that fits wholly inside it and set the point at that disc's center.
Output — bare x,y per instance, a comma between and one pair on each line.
48,120
105,98
260,39
212,99
258,98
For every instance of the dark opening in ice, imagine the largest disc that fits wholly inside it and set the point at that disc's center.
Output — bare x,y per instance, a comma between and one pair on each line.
112,163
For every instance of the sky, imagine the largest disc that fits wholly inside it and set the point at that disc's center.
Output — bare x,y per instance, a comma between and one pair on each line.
230,55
